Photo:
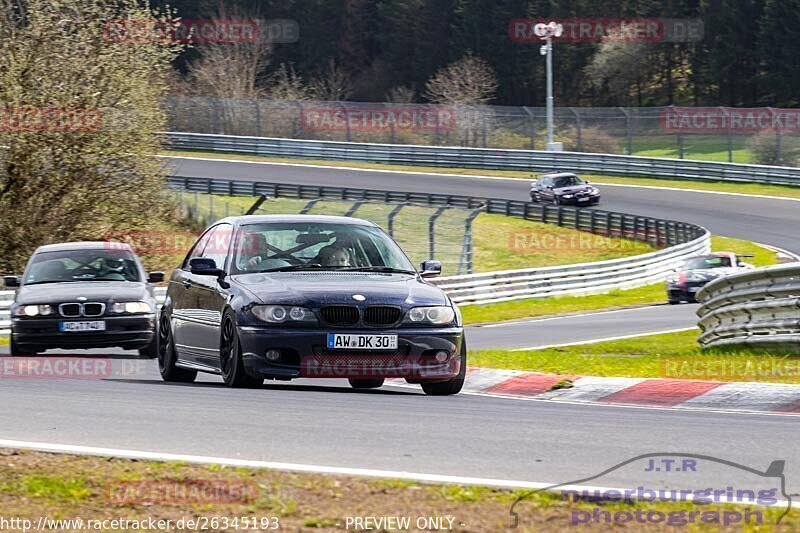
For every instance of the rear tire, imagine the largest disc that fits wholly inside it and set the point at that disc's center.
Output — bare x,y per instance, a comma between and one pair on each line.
672,301
230,353
452,386
357,383
166,356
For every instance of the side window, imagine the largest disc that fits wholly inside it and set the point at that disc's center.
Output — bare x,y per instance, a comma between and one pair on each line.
197,249
545,182
218,244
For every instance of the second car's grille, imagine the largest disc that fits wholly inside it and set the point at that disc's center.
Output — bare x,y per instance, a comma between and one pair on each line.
93,309
340,315
381,315
70,310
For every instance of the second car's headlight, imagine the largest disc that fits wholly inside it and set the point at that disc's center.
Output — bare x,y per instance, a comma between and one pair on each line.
33,310
131,307
438,315
278,314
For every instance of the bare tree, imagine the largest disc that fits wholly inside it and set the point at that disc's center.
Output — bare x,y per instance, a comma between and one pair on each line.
621,68
402,94
333,84
286,84
468,81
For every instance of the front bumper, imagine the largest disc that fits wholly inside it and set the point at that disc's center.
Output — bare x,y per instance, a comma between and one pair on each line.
583,200
685,291
39,334
304,353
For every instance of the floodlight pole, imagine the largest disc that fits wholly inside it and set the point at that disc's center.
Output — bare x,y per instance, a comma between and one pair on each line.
549,45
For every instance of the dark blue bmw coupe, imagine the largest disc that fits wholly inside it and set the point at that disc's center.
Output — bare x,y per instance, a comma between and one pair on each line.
291,296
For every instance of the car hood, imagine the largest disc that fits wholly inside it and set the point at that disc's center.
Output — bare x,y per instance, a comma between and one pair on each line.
714,273
310,289
93,291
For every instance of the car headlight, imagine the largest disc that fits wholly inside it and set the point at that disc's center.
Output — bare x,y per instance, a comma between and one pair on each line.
437,315
694,276
673,279
131,307
594,191
278,314
34,310
566,196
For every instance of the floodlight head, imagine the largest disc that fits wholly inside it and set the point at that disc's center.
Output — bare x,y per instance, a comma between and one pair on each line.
540,30
559,31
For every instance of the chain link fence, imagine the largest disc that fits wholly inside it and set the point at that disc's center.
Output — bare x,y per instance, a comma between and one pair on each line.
757,135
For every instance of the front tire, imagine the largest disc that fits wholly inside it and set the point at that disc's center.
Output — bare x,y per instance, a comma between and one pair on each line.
535,197
166,356
357,383
16,351
452,386
230,353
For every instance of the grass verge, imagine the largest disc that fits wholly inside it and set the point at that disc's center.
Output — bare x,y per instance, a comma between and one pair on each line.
666,355
96,488
648,295
785,191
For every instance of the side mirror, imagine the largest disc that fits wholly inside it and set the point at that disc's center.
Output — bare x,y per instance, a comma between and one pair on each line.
204,266
430,268
11,281
155,277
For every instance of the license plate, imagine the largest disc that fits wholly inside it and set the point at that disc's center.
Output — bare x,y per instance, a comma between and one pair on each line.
583,199
340,341
694,289
92,325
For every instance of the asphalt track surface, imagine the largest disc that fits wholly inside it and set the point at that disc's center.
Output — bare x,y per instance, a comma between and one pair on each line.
324,422
394,428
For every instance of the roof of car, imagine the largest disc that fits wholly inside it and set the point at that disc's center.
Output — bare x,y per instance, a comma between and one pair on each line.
560,175
308,219
83,245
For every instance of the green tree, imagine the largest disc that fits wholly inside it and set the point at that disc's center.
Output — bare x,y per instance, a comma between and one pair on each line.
80,115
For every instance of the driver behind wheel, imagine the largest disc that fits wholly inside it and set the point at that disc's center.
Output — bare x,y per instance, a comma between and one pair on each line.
333,255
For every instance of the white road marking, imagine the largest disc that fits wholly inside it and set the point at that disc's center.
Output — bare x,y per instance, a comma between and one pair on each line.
472,176
605,339
298,467
564,317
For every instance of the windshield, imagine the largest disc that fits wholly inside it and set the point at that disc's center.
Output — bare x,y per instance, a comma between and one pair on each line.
288,246
704,263
567,181
82,265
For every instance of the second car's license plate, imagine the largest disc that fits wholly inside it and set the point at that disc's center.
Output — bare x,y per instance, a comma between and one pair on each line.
348,341
92,325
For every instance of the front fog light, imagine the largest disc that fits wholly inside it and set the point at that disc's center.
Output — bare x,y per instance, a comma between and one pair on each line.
441,356
273,355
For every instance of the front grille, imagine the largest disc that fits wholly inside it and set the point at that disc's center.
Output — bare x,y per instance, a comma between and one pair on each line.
93,309
381,315
70,310
340,315
74,310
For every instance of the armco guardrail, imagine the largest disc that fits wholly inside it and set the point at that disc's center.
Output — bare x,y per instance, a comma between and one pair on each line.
487,158
586,278
756,308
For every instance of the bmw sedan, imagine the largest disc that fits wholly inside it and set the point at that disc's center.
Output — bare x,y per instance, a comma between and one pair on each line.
291,296
564,188
83,295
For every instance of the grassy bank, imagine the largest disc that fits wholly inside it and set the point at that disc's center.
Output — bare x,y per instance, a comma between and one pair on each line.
666,355
96,488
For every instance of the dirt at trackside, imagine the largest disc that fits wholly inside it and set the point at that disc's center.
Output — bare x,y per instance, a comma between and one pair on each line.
62,487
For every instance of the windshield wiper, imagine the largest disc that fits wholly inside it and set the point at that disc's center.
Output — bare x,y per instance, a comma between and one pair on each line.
388,269
289,268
